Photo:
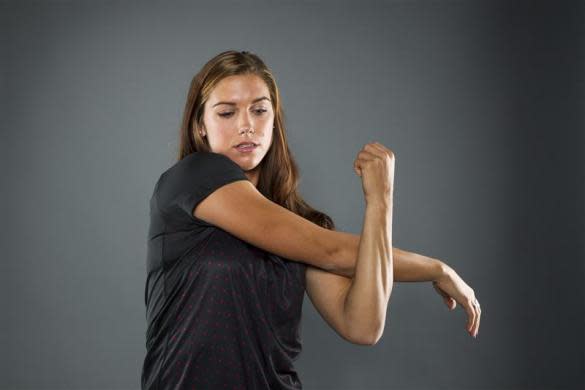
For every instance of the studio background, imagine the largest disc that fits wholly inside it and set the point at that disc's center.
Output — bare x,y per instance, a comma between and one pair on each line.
481,101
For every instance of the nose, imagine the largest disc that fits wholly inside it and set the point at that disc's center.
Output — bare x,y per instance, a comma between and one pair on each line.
245,123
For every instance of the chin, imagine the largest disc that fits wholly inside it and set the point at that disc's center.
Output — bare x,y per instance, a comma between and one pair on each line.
248,166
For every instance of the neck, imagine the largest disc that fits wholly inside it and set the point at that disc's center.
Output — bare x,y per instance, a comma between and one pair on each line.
253,175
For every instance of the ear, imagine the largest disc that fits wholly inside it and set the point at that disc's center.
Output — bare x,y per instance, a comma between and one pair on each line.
202,131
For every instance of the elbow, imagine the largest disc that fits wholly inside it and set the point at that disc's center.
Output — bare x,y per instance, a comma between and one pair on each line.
376,336
368,338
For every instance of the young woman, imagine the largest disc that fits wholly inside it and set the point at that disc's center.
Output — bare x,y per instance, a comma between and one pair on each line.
232,246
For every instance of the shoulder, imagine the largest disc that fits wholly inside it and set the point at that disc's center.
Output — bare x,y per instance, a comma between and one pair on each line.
194,177
202,165
196,159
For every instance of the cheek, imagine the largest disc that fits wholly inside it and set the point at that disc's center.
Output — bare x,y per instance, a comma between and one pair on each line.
220,137
268,136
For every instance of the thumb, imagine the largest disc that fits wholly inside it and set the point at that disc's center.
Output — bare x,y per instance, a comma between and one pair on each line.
451,303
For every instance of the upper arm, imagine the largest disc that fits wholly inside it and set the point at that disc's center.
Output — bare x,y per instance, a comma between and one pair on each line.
209,188
240,209
327,292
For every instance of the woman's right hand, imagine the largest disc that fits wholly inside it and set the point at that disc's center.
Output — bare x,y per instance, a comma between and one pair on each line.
375,165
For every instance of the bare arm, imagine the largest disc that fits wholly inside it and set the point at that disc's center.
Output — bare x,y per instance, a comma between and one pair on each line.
240,209
367,298
356,308
327,291
408,266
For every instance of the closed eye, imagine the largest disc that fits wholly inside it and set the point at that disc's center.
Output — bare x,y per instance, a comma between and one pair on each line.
228,114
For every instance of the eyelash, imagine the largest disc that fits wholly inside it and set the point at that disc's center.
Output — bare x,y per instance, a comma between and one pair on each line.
228,114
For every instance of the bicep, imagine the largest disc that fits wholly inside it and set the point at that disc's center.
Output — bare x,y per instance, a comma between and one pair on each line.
240,209
327,292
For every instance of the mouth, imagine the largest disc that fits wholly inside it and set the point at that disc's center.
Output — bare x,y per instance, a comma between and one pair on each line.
246,146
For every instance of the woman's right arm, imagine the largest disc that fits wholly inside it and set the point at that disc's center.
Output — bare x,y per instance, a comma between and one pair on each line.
241,210
357,310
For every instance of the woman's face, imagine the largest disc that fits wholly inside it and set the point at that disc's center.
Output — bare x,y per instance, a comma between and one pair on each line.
239,110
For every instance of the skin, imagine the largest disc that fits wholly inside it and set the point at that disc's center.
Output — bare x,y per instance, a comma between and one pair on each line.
366,299
224,132
414,267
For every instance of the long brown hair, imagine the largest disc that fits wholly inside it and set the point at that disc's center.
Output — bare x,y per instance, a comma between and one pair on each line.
279,174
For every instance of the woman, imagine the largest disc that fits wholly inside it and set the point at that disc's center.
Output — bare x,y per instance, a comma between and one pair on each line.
233,247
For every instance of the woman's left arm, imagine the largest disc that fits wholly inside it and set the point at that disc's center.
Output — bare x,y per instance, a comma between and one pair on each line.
413,267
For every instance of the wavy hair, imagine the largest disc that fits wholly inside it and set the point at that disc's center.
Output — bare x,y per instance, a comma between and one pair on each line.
279,174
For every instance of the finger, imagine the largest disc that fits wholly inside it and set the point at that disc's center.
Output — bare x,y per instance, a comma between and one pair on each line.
385,148
367,154
375,150
470,317
450,302
378,146
363,157
477,311
478,320
475,319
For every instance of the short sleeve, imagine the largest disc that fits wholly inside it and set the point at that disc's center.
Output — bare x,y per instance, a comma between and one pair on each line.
192,179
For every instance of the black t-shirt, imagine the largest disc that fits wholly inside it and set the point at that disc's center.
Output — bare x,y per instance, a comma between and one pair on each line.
221,313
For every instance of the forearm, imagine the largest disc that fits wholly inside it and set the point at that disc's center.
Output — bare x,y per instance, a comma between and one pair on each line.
408,266
413,267
367,298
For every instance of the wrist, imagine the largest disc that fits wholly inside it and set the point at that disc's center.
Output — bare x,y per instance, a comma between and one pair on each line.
382,204
443,271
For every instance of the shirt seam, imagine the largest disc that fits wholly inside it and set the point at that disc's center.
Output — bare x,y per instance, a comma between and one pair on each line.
164,277
156,202
165,224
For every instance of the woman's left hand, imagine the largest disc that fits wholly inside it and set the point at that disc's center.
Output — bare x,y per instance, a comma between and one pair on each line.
453,289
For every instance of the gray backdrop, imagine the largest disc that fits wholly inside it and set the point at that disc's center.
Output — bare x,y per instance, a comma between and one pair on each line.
481,101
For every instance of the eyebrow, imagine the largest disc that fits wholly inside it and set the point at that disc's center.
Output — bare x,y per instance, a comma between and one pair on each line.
233,104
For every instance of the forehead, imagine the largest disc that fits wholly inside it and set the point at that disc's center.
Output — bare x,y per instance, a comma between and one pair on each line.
239,88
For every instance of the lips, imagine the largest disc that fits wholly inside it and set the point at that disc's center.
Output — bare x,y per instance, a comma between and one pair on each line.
246,147
246,144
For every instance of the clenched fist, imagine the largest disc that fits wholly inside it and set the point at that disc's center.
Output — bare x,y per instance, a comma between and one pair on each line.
375,165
